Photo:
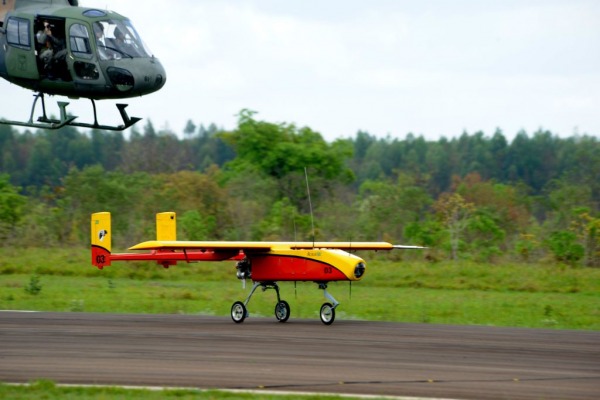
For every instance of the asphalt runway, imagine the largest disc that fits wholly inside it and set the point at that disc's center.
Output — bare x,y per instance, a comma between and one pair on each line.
358,357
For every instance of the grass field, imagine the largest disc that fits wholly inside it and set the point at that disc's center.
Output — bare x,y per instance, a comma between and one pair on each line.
49,391
547,296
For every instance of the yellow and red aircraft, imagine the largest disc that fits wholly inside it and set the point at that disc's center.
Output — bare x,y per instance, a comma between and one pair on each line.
265,263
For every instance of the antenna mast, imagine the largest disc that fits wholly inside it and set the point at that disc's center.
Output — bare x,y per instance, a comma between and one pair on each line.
312,221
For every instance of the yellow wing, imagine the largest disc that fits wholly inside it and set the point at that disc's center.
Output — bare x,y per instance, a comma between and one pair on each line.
262,246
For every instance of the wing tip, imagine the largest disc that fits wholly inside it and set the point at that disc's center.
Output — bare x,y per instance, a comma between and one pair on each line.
407,247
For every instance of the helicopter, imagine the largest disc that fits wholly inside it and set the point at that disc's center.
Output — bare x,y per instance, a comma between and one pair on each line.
56,47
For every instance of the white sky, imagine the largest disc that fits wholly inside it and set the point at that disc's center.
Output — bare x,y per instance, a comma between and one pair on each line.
428,67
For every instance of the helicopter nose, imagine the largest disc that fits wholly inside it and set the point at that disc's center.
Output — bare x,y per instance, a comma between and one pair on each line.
137,77
152,77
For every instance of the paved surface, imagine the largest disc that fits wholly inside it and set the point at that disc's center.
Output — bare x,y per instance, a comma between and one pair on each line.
458,362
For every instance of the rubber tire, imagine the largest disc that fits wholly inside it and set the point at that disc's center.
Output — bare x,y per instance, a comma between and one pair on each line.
282,306
327,313
238,312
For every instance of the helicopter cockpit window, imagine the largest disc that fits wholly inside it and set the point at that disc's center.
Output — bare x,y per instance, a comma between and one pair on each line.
17,33
118,39
79,39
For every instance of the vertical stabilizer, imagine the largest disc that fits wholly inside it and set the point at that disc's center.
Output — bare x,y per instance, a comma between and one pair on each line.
166,226
101,239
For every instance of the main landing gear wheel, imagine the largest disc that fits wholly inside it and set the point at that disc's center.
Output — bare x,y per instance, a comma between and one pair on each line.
238,312
282,311
327,313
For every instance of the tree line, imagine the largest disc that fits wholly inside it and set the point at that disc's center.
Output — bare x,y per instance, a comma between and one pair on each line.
533,199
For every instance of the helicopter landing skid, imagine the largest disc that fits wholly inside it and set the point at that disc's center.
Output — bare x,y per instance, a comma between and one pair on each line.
44,122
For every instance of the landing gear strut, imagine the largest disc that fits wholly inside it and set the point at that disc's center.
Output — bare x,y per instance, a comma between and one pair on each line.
239,310
44,122
327,312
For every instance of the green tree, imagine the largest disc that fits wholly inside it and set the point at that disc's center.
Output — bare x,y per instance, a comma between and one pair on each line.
485,234
386,208
284,222
561,199
190,128
587,229
93,189
504,204
107,148
282,151
454,212
196,226
11,205
153,152
187,191
564,246
43,168
250,196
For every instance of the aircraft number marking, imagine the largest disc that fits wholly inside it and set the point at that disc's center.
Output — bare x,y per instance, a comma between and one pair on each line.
327,270
100,259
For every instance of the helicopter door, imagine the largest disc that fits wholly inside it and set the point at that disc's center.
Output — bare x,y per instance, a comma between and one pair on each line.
20,56
51,48
83,63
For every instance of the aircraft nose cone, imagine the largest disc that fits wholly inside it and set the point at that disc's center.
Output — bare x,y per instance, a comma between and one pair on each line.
359,270
160,75
150,77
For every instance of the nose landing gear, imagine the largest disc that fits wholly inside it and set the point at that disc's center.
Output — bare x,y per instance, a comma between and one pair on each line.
327,312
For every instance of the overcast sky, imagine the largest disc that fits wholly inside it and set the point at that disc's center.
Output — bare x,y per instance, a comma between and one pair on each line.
435,68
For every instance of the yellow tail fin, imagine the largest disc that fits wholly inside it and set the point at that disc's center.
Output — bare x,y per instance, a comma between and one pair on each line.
101,239
166,226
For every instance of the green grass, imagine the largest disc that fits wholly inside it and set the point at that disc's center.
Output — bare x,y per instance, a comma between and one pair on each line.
49,391
541,296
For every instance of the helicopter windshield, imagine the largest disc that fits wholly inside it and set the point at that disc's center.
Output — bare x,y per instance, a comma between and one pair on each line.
118,39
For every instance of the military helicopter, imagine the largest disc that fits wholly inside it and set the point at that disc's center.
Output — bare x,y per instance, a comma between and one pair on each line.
55,47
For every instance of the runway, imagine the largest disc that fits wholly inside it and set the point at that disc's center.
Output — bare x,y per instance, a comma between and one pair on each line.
358,357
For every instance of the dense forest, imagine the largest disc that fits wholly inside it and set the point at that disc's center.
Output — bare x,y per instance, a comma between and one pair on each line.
535,198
